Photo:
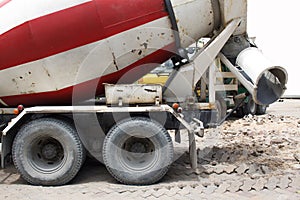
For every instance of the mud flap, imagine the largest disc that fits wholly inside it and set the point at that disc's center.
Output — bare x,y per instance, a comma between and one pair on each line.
6,143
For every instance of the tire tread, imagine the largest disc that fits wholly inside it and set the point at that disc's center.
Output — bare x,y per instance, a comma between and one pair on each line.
61,123
137,120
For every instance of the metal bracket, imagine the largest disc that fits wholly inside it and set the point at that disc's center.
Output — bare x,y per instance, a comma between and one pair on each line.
120,103
198,127
157,101
177,136
189,74
181,52
204,58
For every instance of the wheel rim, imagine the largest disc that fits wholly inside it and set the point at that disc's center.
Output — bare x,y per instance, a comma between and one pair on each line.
46,154
138,154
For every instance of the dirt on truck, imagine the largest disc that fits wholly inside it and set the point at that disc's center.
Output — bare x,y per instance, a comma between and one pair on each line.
68,70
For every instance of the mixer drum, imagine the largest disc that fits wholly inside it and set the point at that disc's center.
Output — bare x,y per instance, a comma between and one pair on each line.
49,48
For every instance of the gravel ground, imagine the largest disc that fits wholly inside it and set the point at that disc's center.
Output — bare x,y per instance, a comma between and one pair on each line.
257,157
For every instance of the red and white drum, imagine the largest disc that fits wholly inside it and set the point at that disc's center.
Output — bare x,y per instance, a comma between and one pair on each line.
49,47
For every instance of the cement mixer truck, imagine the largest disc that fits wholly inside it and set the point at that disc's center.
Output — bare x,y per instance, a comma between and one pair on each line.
67,71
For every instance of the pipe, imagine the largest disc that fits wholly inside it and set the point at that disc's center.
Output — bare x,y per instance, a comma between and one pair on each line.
269,80
245,82
264,81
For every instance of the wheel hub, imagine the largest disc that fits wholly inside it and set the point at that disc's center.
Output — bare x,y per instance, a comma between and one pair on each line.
138,149
138,153
49,151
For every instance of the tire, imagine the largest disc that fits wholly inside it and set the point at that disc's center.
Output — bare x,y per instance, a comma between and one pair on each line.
261,109
138,151
250,107
221,107
48,151
240,112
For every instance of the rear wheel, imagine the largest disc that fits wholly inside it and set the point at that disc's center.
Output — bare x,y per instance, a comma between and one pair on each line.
48,152
261,109
250,107
138,151
221,107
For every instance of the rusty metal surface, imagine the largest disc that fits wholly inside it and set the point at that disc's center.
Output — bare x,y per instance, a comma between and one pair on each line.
234,9
133,93
4,111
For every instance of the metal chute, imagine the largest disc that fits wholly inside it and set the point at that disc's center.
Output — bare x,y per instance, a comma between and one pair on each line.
264,81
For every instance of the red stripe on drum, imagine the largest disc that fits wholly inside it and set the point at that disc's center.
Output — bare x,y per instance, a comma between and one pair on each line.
91,88
4,2
74,27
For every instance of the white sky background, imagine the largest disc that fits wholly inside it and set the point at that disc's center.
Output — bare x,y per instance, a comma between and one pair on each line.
276,25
